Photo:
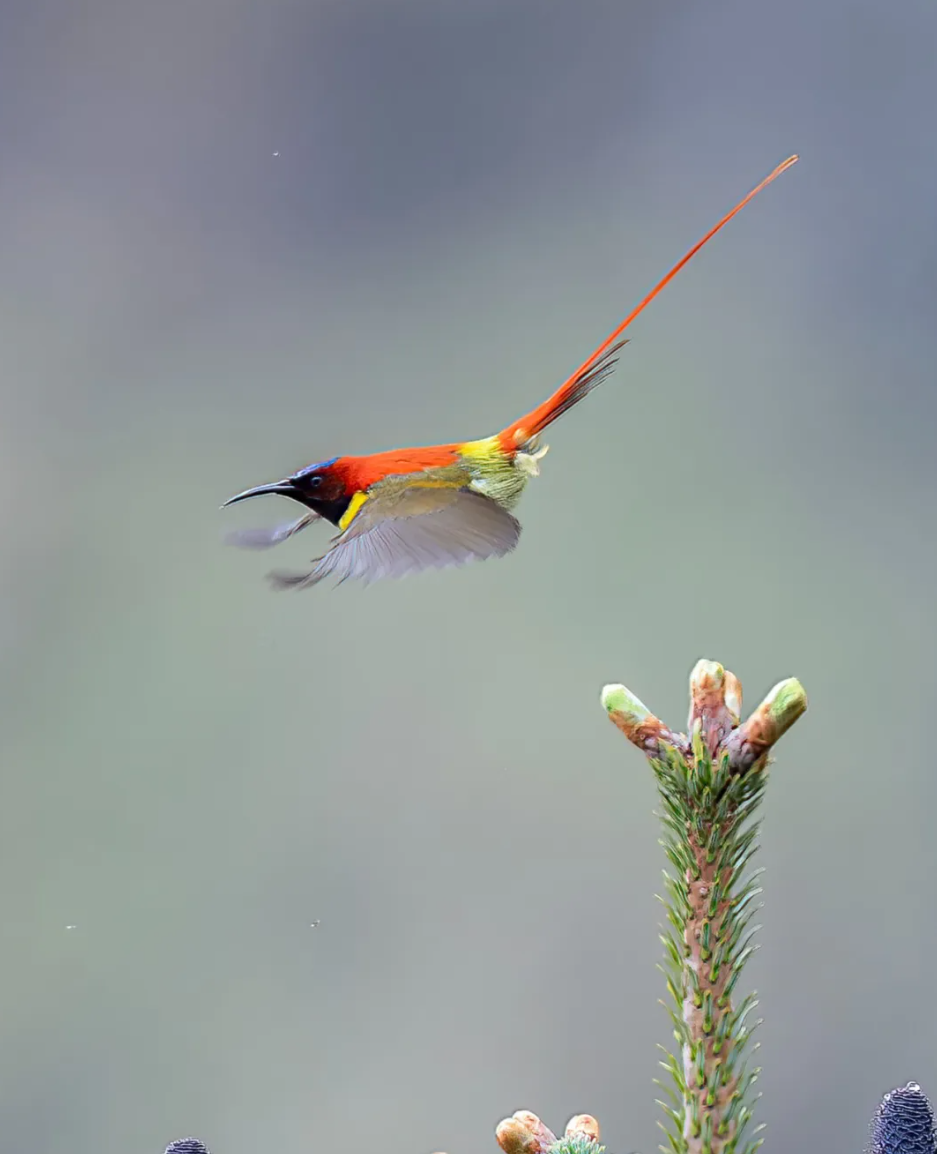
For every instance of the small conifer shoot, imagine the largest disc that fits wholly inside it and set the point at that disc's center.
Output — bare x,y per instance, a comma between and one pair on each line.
710,784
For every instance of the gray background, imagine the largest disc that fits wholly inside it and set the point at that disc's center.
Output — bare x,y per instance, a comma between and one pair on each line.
467,198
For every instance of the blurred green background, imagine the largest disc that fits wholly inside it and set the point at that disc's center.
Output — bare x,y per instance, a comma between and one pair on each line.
238,237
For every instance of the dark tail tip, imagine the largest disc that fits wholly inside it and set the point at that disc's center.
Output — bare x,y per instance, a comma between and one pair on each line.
903,1123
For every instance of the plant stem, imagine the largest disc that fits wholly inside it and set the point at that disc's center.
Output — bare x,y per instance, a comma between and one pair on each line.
710,785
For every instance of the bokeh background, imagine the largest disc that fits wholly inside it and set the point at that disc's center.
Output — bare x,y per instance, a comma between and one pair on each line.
237,237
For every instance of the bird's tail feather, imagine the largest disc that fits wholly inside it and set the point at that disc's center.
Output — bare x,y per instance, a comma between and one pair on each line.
597,366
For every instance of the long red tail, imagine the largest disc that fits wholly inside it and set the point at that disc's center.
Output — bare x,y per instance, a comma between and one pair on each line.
596,367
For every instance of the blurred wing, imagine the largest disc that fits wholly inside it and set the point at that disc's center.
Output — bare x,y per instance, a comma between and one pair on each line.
267,538
422,527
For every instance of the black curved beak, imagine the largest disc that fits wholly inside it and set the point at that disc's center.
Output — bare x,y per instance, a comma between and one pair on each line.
281,488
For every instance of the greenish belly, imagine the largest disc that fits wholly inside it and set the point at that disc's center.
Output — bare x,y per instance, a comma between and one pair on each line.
499,480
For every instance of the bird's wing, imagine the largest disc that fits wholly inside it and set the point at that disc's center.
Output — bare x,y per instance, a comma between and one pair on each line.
404,530
267,538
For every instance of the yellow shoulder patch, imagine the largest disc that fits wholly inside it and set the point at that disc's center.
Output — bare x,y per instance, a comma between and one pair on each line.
354,508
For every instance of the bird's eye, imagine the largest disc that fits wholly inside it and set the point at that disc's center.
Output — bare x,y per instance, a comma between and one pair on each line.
314,482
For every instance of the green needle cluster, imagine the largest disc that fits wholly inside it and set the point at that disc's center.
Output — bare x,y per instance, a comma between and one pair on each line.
577,1144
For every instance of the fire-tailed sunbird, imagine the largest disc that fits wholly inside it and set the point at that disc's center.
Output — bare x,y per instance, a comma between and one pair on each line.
405,510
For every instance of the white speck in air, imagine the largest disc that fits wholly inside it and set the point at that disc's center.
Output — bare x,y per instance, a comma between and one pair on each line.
71,927
276,154
312,925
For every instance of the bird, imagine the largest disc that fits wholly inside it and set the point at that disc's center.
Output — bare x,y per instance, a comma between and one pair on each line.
406,510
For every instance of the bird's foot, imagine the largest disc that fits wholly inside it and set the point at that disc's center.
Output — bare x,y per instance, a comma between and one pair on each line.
529,463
